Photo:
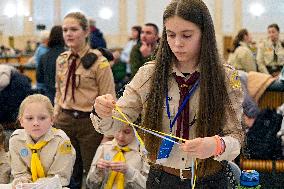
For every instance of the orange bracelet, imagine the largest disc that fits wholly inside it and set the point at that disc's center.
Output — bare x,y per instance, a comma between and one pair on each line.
219,149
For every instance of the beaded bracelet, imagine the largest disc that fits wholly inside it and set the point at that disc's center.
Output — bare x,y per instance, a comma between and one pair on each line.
220,148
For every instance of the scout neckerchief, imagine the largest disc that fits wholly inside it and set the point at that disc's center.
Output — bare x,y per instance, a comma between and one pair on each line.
71,75
182,116
36,166
117,177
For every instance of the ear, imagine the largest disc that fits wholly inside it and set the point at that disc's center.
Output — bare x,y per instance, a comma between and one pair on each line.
21,122
52,120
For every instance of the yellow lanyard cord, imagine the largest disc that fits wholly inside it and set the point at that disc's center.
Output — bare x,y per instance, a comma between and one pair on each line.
144,128
150,131
141,142
194,180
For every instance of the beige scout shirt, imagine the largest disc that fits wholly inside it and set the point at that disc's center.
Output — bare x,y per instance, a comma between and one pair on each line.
57,156
133,102
265,55
90,83
138,168
244,59
5,169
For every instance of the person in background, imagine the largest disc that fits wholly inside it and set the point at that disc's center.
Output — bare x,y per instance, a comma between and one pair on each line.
39,151
5,169
107,167
243,56
270,54
82,74
121,68
41,50
14,88
46,68
187,92
143,50
96,36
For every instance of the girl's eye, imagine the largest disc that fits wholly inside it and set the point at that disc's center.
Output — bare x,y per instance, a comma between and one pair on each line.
42,118
171,35
187,36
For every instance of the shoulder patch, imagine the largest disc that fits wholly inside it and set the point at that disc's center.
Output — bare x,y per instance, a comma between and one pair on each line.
235,81
65,148
104,63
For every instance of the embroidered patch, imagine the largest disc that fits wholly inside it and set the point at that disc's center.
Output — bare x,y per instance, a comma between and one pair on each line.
235,82
104,64
65,148
24,152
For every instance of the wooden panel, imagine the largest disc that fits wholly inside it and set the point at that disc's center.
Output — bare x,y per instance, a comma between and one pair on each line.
227,45
271,99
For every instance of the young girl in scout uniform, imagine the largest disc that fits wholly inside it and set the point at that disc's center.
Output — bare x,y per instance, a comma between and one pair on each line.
186,92
82,74
118,163
270,54
39,151
5,169
243,55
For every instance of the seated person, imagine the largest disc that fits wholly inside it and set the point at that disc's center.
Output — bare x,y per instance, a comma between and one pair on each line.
5,169
39,151
119,163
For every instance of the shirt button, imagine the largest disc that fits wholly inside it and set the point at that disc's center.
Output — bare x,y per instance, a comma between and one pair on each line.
182,159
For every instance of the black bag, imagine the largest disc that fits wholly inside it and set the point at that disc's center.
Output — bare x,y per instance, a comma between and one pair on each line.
262,141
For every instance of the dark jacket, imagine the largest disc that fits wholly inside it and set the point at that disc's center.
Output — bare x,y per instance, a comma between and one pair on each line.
12,96
46,70
97,39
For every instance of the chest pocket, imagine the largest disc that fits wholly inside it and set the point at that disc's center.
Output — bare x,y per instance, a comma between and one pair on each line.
84,78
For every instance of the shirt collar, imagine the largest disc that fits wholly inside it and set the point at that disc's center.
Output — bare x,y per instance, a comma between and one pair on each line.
82,52
179,73
46,137
133,145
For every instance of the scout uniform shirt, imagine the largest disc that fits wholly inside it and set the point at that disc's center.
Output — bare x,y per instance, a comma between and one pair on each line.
138,168
57,156
244,58
265,55
5,169
133,102
90,83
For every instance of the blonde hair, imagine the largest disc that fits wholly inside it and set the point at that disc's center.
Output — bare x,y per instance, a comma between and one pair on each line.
35,98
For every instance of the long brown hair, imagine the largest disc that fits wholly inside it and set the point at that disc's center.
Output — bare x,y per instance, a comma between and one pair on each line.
213,93
239,37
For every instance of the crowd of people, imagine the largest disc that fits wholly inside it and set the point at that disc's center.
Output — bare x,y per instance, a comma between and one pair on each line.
194,108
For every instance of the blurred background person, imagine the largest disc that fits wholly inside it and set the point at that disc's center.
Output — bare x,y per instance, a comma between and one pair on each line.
243,58
47,64
270,55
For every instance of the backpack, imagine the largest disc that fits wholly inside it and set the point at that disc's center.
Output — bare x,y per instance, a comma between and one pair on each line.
261,139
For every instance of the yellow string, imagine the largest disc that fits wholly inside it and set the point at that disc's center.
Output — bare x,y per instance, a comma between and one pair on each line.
36,166
194,180
158,132
141,127
141,142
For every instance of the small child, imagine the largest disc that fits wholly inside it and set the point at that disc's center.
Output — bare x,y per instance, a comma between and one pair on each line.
39,151
119,164
5,169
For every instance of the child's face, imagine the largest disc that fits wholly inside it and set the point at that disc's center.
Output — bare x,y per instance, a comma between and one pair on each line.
36,119
125,136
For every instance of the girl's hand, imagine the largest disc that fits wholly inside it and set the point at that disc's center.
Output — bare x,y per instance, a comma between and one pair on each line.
104,105
200,148
103,164
119,166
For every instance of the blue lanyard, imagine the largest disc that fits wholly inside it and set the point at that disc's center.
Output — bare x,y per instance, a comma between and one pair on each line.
189,94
